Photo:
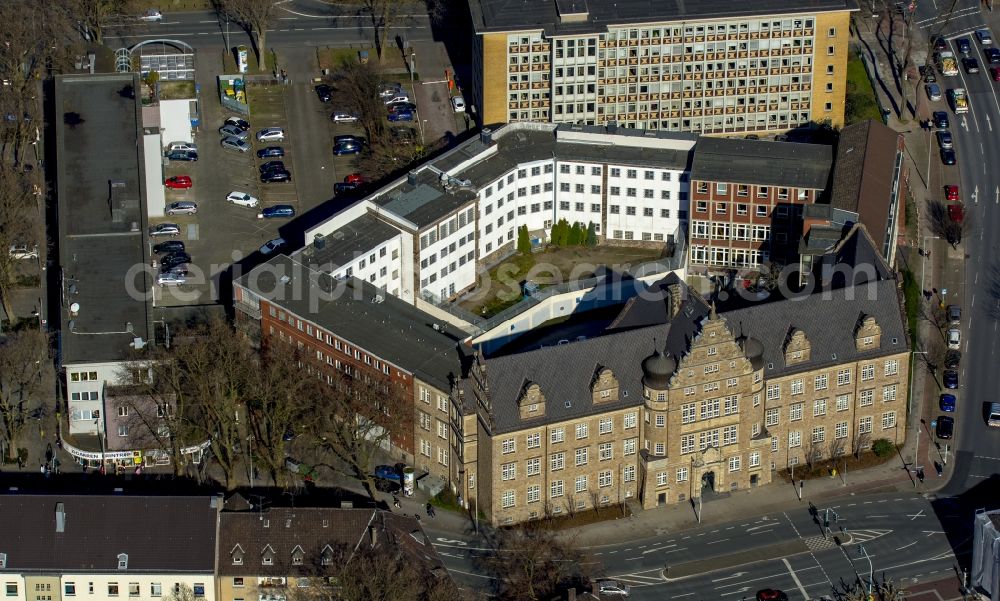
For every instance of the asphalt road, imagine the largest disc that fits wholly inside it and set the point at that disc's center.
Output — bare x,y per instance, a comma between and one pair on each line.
297,22
904,535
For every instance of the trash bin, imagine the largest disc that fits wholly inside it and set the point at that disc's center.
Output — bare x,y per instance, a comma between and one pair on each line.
363,56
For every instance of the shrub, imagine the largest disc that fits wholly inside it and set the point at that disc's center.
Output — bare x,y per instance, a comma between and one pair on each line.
883,447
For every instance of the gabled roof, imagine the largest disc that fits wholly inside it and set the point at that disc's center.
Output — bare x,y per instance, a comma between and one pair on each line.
762,162
158,534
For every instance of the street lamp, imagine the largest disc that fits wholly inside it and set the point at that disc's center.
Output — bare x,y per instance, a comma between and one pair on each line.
924,262
871,570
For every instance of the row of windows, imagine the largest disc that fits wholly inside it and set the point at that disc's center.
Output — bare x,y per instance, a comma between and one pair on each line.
155,589
581,431
841,431
890,367
557,488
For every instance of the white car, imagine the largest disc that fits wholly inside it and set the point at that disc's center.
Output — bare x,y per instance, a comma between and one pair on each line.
151,16
343,117
272,245
397,98
612,588
23,251
954,339
458,103
182,146
271,134
242,198
170,278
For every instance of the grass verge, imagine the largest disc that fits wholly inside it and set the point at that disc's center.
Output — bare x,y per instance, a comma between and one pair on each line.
860,104
911,297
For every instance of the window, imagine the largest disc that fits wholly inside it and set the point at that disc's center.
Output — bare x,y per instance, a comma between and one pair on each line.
661,420
507,499
557,435
865,425
795,412
797,387
533,466
773,392
112,589
687,443
734,464
682,474
819,434
581,483
774,443
582,456
581,431
122,561
891,367
820,382
534,440
688,413
557,461
605,451
660,449
556,489
508,471
888,420
604,479
867,372
629,446
729,435
605,425
771,416
534,493
12,589
709,438
629,473
69,589
889,393
509,446
841,430
843,402
155,589
830,50
123,430
819,407
133,589
843,377
238,582
794,439
866,398
710,409
630,420
754,459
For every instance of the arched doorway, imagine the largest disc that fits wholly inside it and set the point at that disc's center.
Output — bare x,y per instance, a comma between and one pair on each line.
708,482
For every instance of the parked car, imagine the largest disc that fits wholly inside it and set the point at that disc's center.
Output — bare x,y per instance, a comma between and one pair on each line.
947,402
944,139
174,259
401,106
940,119
992,55
770,594
954,338
242,198
340,188
169,278
20,251
347,147
275,177
611,588
458,103
349,138
952,359
403,135
170,246
182,155
269,247
234,143
388,472
954,314
927,72
151,16
324,92
271,134
995,73
180,269
165,229
951,192
343,117
950,379
178,182
182,146
933,91
231,130
970,65
397,98
945,426
401,116
984,37
963,45
182,207
355,178
948,156
956,212
940,44
272,165
240,123
270,151
278,211
386,90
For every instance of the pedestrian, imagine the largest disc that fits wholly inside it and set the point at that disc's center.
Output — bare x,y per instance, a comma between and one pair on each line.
395,501
927,254
920,251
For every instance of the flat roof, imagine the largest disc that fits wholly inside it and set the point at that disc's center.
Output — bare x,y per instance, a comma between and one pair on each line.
574,17
102,217
762,162
350,240
363,315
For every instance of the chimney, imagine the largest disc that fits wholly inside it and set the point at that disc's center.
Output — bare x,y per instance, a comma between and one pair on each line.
411,178
60,517
319,241
486,136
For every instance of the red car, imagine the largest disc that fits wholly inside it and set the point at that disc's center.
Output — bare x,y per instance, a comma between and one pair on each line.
355,178
956,213
951,192
995,73
178,182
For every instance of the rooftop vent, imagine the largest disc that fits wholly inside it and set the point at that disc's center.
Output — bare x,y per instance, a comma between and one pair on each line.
319,241
411,178
284,279
138,343
486,136
60,517
569,404
378,299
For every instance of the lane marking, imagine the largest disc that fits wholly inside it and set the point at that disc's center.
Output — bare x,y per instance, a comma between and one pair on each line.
721,540
906,546
795,578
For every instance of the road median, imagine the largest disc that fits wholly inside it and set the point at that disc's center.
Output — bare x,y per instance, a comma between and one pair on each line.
679,571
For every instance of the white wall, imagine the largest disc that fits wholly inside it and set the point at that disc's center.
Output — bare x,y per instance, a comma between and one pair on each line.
379,266
7,579
349,214
100,582
153,159
448,264
91,394
175,121
653,195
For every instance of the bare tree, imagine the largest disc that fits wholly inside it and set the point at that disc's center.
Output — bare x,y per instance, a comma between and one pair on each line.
255,16
357,87
529,562
862,440
352,418
94,15
274,406
948,223
837,447
20,223
23,363
814,452
385,15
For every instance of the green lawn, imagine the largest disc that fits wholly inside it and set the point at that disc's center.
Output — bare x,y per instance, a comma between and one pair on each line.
861,103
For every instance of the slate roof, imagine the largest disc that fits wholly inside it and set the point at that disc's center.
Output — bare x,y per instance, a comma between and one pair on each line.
762,162
159,534
519,15
854,260
353,238
863,176
386,327
97,246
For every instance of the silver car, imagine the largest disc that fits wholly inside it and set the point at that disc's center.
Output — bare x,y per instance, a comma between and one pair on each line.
169,278
165,229
271,134
182,207
231,130
237,144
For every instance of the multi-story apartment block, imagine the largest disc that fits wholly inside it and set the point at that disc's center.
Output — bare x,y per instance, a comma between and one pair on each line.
461,211
747,198
720,67
68,547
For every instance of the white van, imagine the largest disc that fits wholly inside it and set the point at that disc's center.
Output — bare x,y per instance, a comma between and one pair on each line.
182,146
994,417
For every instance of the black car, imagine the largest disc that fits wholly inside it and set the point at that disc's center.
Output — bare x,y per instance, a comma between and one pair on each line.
950,379
273,177
243,124
324,92
272,165
992,55
270,151
927,72
344,188
970,64
349,138
170,246
952,359
940,44
182,155
945,426
964,46
948,156
940,119
175,258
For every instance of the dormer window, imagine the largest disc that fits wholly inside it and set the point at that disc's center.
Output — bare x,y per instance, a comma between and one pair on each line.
326,557
237,555
297,555
122,561
267,556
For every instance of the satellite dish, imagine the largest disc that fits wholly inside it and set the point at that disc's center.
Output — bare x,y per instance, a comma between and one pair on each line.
74,308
